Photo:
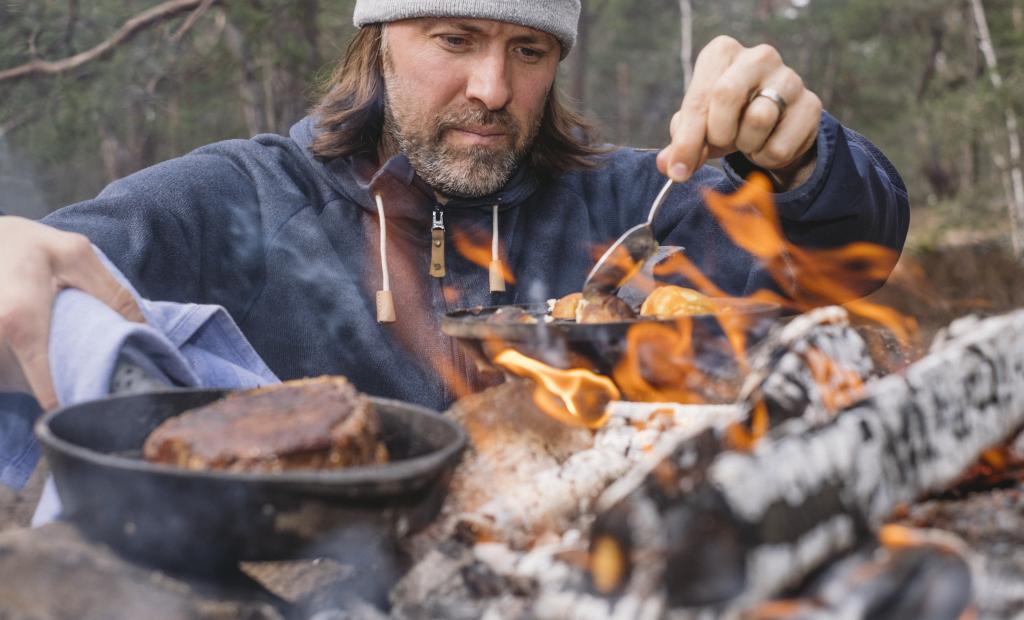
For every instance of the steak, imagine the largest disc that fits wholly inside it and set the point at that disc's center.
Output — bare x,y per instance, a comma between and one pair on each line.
321,423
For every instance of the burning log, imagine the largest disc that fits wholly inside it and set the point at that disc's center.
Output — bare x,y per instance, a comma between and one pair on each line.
912,574
813,367
725,530
992,526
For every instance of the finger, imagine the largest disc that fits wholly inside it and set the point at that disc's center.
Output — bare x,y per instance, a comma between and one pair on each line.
732,91
78,266
35,364
762,114
687,151
26,328
793,136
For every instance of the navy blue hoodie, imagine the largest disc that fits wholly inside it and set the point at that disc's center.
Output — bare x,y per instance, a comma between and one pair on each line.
290,245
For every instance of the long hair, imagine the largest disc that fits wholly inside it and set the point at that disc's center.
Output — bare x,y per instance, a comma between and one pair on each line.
351,115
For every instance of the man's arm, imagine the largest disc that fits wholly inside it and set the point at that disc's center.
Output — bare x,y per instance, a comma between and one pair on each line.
188,229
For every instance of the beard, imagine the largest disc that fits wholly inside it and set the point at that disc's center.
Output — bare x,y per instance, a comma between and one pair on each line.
453,170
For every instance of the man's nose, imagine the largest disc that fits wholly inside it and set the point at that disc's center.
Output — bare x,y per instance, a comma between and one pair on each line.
489,82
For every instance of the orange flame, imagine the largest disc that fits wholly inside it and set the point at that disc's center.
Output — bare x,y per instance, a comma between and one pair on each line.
577,397
744,439
607,564
477,250
657,365
839,387
811,278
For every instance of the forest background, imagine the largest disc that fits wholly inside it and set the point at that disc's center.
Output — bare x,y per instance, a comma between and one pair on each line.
935,83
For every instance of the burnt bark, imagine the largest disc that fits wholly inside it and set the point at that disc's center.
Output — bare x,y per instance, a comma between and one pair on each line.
810,491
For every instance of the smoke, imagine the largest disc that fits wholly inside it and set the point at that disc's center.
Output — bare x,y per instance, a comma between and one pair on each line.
19,191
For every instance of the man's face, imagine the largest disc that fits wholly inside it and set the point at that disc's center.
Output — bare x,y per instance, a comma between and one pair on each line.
465,98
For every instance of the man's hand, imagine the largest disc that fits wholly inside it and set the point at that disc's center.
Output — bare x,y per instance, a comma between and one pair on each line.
718,116
36,262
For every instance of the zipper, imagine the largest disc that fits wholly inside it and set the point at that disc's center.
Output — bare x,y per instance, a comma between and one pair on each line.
437,269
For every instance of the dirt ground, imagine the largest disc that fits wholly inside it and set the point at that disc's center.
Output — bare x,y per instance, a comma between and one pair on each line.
939,285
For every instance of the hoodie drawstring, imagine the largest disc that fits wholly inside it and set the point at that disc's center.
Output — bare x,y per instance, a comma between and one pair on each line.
385,301
497,279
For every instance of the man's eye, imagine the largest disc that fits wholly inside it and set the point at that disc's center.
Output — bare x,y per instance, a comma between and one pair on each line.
530,53
454,41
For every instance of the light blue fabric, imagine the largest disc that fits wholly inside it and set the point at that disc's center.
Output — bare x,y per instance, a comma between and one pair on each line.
184,345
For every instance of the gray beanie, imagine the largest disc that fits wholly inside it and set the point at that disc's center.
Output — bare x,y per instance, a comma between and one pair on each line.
559,18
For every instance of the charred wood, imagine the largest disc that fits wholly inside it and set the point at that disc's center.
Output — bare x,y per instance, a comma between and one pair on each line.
924,581
808,491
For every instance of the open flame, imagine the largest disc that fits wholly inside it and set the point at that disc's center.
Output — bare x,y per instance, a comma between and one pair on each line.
810,277
577,396
661,359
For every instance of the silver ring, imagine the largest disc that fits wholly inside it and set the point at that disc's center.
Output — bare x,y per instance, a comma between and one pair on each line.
772,95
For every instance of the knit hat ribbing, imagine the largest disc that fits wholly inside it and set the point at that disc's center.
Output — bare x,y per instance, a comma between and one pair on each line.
559,18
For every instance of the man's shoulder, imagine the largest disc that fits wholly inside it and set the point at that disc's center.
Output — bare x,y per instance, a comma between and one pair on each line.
262,150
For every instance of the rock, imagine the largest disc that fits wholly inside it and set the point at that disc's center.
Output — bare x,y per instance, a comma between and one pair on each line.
54,573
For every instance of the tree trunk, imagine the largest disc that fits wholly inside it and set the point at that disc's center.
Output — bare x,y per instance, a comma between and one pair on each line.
1016,206
309,12
686,48
625,124
249,87
578,87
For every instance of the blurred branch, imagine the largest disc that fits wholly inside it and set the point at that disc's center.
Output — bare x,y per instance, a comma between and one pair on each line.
191,20
130,28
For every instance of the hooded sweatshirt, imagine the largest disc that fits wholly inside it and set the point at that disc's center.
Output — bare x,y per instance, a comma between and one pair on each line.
291,246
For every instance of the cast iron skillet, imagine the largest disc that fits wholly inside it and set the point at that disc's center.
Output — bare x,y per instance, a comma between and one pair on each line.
597,346
206,522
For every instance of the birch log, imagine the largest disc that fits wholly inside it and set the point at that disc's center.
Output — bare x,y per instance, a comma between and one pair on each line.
721,538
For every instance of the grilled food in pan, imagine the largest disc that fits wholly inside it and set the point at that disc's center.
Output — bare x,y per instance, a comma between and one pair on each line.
321,423
206,521
531,330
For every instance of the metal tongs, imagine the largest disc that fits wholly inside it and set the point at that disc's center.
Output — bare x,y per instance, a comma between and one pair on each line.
627,255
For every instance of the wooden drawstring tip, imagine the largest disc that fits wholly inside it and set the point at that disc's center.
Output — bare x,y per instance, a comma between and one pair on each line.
497,279
385,307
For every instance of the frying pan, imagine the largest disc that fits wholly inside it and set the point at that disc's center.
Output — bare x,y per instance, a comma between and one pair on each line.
599,346
204,523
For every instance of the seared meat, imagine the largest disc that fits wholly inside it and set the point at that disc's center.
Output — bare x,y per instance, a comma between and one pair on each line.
601,308
321,423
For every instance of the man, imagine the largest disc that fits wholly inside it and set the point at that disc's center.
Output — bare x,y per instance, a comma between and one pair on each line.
286,233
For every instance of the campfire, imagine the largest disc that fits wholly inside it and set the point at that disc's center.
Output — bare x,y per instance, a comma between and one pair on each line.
787,456
774,490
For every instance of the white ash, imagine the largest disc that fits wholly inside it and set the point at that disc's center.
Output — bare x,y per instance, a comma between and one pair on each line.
554,496
524,550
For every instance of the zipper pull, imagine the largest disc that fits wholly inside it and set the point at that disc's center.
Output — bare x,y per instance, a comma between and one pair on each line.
437,244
